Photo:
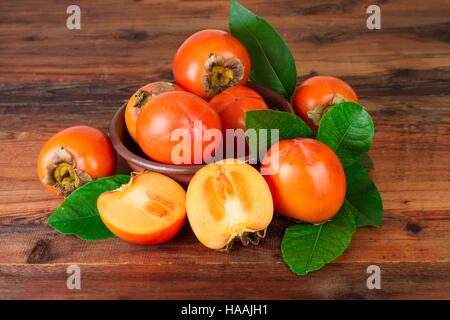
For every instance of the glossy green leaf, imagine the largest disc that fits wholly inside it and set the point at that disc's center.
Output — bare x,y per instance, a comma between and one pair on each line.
347,129
272,62
366,161
306,247
363,197
78,213
289,126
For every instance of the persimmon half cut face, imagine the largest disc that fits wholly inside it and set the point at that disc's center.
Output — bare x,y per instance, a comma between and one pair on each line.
228,200
150,209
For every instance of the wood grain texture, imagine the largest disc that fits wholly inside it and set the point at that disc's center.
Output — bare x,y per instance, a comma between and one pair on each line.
51,78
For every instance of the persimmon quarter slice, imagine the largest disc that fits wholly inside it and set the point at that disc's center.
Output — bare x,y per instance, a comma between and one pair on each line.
150,209
228,200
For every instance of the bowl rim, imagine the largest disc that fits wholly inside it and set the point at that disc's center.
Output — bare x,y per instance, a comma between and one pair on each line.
149,164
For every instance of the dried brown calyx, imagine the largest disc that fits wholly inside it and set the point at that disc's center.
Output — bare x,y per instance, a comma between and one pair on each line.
62,174
246,238
319,111
142,96
222,74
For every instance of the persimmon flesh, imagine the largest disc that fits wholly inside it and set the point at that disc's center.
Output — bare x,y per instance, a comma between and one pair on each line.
306,179
228,200
150,209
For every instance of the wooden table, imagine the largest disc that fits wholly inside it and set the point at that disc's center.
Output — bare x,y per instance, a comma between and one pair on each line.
52,78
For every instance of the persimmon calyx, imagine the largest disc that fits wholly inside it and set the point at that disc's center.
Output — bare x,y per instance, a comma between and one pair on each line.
62,174
222,74
142,96
319,111
246,237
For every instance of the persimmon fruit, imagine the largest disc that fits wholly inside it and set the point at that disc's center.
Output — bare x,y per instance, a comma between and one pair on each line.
167,112
228,200
306,179
73,157
233,103
316,95
210,61
150,209
142,96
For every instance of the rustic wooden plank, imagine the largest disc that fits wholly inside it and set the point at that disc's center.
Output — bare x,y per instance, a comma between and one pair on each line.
236,281
133,44
407,85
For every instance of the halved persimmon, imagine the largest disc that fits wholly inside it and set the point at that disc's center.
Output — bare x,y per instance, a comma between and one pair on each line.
150,209
228,200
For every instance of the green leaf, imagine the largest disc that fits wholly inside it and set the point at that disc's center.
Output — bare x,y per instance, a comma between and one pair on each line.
306,247
290,126
363,197
347,129
366,161
78,213
272,62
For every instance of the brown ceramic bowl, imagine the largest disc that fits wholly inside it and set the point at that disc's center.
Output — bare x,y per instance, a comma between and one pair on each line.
138,161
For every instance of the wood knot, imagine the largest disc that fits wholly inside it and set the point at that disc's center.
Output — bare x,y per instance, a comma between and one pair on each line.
133,35
351,296
413,227
40,253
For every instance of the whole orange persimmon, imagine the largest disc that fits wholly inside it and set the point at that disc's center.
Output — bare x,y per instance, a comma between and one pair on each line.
316,95
73,157
210,61
306,179
173,127
142,96
232,104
